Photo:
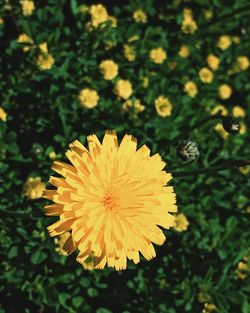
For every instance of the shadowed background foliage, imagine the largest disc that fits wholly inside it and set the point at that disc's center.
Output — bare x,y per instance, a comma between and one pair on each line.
204,265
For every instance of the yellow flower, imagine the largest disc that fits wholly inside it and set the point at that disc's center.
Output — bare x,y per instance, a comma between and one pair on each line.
129,53
191,89
137,105
189,26
213,62
184,51
45,61
245,170
236,39
44,47
225,91
3,115
219,109
187,13
243,269
221,131
209,307
243,128
158,55
181,222
88,98
206,75
93,204
163,106
60,241
238,111
109,69
98,14
243,62
28,7
140,16
123,89
33,188
224,42
1,21
52,155
24,39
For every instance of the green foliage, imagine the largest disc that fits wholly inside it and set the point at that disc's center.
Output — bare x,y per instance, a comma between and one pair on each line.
44,115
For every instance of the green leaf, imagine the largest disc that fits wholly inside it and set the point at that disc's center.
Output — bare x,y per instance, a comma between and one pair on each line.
13,252
38,257
92,292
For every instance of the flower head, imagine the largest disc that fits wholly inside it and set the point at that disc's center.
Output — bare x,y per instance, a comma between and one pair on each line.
219,109
243,62
181,222
28,7
158,55
25,39
225,91
33,188
88,98
123,89
163,106
191,89
224,42
140,16
129,53
112,198
184,51
3,114
109,69
45,61
98,14
238,111
213,62
221,131
189,26
206,75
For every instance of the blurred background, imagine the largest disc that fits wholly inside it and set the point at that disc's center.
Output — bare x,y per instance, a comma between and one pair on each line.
163,71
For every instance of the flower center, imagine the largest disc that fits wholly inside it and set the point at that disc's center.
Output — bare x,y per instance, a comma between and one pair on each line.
110,200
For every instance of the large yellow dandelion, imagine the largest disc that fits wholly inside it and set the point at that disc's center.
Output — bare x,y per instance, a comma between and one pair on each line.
111,199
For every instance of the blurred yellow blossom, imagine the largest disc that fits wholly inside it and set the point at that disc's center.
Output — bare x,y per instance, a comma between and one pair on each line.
109,69
248,209
88,98
225,91
243,62
243,128
25,39
209,307
163,106
137,105
1,21
245,170
33,188
129,53
44,47
123,89
52,155
221,131
236,39
206,75
45,61
188,26
3,114
181,222
158,55
191,89
98,14
243,269
238,111
224,42
184,51
145,82
140,16
28,7
60,241
219,109
213,62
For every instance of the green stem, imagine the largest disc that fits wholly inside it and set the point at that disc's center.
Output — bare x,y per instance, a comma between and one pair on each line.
231,164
